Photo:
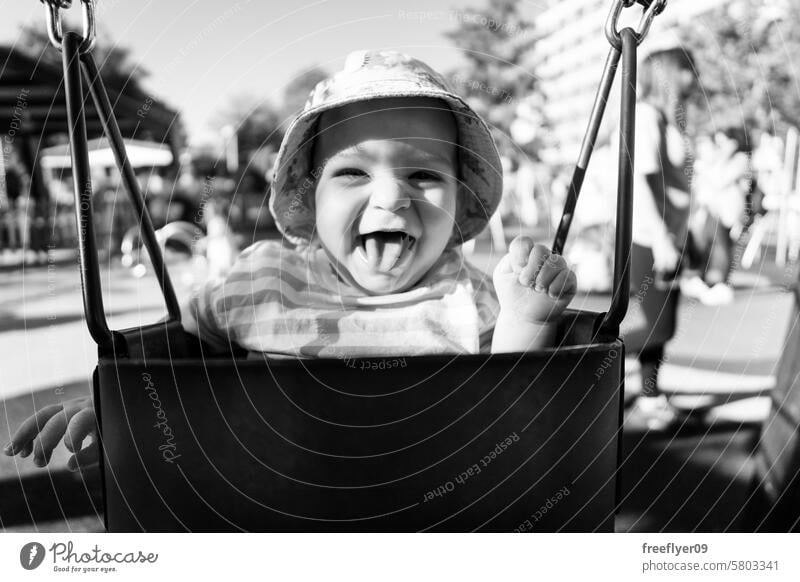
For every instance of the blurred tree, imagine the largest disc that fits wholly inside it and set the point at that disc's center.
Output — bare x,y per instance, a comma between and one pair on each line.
260,124
119,70
746,53
496,80
257,123
116,66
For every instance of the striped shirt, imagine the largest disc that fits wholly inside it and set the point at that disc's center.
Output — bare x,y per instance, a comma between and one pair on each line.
292,302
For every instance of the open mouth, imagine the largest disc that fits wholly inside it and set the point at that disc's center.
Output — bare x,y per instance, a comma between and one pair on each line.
385,250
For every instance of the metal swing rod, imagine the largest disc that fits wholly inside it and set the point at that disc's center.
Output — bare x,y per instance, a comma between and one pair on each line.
652,9
623,45
78,63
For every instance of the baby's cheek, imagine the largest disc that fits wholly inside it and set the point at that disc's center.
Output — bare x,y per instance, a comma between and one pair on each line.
440,205
328,215
437,215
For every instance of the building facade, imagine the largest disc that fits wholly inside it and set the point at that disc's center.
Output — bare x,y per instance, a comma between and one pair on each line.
569,58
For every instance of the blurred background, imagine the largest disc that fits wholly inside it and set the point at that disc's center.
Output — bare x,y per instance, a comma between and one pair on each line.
204,91
205,95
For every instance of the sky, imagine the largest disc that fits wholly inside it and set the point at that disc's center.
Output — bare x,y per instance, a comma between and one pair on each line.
201,53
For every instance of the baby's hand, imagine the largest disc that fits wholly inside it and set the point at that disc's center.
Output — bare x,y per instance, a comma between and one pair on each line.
74,420
532,283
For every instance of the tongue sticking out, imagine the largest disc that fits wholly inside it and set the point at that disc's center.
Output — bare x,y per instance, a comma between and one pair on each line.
383,249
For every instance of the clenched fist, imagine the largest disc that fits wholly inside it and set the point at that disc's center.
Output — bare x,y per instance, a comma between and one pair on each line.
532,283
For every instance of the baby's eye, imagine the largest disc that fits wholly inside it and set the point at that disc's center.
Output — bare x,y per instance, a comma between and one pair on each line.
426,175
350,172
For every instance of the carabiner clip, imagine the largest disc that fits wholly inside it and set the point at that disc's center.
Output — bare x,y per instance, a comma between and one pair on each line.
657,7
52,11
65,4
612,33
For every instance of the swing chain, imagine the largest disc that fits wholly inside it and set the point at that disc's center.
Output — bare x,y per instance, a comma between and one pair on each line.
52,11
650,11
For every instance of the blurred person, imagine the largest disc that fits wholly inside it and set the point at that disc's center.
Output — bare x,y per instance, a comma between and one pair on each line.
40,234
591,249
527,178
250,211
24,217
726,203
660,220
187,184
591,254
509,204
768,166
220,244
155,184
9,214
63,218
110,206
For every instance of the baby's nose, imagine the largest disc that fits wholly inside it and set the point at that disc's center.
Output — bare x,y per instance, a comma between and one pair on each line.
390,193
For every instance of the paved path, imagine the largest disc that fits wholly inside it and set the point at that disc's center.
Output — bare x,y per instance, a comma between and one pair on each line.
43,337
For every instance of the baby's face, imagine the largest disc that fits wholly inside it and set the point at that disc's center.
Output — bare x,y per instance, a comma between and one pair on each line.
386,197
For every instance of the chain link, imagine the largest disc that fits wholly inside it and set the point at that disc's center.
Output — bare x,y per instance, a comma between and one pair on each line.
52,12
612,32
65,4
646,4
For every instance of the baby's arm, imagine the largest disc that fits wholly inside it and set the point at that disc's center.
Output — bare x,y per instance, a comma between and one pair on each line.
74,420
534,288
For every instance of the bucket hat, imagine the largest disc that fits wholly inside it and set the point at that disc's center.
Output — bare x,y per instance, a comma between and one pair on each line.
374,75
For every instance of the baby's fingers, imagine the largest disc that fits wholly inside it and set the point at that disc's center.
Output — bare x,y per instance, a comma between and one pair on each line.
22,440
84,458
551,268
48,438
519,251
537,258
563,286
81,426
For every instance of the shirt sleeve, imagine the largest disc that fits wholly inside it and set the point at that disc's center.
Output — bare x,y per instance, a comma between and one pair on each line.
200,318
203,314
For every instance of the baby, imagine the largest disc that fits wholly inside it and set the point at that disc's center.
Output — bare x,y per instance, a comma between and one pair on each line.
378,182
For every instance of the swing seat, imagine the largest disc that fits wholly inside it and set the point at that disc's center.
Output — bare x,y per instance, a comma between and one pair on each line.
525,442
